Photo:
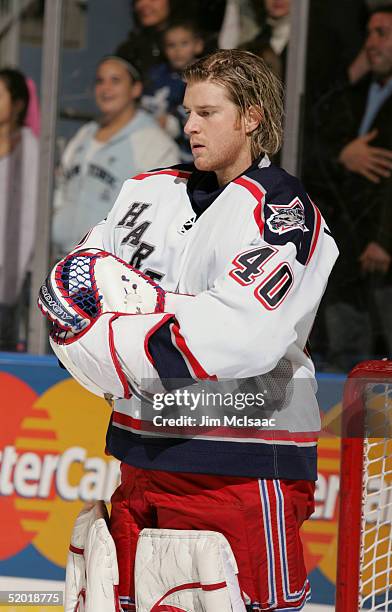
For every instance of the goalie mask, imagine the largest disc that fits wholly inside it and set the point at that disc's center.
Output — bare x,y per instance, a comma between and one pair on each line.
86,284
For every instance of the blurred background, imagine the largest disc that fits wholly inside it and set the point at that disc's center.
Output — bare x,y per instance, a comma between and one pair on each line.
90,94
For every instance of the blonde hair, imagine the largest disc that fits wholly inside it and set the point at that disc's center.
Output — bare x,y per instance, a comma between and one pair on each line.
249,82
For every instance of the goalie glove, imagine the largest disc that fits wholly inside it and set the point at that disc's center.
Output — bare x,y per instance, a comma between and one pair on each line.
88,283
91,298
109,358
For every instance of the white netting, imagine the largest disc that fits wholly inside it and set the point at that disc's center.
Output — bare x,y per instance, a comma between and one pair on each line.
376,538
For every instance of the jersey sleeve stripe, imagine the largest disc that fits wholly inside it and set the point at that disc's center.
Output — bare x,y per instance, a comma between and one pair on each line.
316,231
116,363
188,356
258,194
258,217
166,357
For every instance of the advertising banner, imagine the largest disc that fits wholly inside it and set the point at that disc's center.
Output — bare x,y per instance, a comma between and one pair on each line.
52,460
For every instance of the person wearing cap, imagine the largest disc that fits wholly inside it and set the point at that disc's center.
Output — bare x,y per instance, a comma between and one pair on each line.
123,142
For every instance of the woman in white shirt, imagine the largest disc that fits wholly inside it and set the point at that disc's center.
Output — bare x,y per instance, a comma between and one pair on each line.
125,141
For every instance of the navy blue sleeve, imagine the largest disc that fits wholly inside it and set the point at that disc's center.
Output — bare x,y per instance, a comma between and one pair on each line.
168,361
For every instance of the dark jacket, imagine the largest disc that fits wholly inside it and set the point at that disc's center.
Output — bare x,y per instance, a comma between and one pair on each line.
358,211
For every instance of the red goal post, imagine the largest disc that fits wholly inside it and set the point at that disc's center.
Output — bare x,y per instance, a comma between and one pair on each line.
364,563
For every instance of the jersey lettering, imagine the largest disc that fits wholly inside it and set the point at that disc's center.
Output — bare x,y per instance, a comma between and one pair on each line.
102,174
154,275
133,238
276,286
271,291
141,253
133,214
249,265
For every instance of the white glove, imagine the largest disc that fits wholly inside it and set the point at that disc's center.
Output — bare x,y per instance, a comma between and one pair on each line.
86,284
110,358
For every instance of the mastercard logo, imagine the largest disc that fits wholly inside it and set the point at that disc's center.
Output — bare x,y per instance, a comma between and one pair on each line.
52,460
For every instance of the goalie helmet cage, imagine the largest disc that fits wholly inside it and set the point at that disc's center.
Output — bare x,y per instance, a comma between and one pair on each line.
364,560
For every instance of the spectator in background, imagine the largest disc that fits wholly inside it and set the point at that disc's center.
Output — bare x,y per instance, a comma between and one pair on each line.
238,26
125,141
271,42
335,45
144,41
19,158
335,57
164,91
355,157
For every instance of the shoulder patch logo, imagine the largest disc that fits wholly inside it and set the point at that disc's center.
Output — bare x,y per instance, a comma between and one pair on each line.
287,217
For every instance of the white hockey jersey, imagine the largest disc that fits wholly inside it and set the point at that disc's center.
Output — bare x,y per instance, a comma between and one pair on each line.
256,255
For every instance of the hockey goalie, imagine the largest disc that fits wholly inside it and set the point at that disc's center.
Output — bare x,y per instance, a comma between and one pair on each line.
202,276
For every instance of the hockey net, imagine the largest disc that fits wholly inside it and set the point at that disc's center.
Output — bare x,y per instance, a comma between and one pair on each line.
364,573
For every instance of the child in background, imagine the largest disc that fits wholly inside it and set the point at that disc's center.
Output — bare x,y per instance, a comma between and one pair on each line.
164,88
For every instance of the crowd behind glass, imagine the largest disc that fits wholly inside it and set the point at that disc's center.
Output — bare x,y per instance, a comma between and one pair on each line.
346,145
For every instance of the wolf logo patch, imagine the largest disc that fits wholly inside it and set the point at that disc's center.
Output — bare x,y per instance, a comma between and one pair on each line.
287,217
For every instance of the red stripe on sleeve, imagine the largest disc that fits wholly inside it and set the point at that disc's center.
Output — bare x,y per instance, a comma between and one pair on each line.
182,346
258,194
316,231
116,362
150,333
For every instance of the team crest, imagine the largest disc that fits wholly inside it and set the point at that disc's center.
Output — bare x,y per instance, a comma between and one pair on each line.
287,217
